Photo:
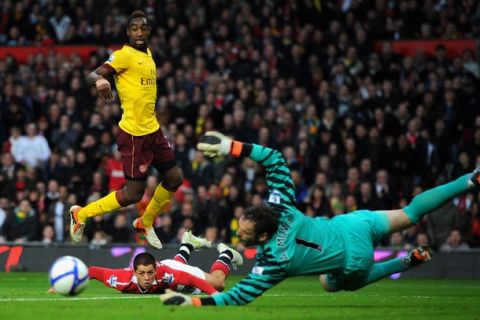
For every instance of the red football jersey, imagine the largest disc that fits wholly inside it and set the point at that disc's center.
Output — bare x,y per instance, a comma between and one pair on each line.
124,280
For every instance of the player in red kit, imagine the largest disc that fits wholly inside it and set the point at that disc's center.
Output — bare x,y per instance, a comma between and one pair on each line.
150,276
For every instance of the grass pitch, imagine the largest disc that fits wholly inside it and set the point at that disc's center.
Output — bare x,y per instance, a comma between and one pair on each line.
23,296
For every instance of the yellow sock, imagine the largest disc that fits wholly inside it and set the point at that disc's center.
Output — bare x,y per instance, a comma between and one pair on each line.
161,197
102,206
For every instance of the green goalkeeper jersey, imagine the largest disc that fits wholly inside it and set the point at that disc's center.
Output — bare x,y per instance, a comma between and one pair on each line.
301,245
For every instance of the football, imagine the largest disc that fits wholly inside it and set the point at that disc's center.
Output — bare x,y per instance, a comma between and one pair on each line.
68,276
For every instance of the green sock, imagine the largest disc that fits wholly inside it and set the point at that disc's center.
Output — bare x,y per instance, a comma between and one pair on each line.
379,271
433,198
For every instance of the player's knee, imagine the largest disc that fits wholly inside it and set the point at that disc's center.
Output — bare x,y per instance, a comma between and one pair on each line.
220,286
131,197
173,183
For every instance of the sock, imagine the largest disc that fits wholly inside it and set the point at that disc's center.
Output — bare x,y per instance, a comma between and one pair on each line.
433,198
99,207
379,271
223,263
183,254
160,198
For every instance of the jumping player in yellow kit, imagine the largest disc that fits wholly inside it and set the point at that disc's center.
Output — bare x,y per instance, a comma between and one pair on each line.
140,139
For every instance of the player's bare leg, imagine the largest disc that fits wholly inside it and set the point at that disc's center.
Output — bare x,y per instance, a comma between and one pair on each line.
221,268
217,279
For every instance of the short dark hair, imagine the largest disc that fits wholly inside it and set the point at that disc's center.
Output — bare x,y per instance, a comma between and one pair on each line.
266,220
143,259
136,14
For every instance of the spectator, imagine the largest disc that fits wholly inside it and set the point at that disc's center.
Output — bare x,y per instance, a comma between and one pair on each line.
31,149
454,242
60,23
99,239
48,235
58,213
22,223
4,213
121,232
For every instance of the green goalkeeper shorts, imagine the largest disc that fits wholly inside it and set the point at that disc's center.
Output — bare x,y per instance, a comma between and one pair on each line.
362,231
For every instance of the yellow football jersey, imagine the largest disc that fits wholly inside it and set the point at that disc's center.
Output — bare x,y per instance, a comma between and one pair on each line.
136,81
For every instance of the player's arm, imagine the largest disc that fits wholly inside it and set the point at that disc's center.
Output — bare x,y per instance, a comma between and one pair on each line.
98,76
187,279
174,277
111,278
247,290
279,180
116,63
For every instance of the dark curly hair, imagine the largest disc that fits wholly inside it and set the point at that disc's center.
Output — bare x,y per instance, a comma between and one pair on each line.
266,220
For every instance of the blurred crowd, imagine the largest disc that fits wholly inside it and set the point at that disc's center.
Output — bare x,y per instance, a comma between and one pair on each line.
360,128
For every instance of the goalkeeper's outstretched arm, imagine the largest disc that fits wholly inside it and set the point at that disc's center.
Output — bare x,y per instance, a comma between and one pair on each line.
247,290
279,180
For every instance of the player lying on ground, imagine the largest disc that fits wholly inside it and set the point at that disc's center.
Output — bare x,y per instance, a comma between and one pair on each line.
150,276
290,243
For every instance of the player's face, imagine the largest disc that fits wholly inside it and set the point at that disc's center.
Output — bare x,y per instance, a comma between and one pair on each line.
145,275
246,232
138,32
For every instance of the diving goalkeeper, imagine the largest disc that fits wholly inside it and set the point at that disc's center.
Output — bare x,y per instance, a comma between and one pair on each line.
290,243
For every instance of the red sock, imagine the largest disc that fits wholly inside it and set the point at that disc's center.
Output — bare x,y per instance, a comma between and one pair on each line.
180,259
222,266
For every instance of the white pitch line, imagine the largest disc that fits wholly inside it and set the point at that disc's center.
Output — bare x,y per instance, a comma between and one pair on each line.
274,295
75,298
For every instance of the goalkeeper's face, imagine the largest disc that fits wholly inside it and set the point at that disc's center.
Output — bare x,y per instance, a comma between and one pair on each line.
246,232
145,275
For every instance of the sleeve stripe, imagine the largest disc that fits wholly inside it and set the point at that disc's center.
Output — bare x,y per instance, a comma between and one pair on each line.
268,283
232,297
251,294
256,286
261,161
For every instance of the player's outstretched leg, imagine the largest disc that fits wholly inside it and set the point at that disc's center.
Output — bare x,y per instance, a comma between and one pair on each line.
148,233
235,256
221,268
380,270
190,243
431,199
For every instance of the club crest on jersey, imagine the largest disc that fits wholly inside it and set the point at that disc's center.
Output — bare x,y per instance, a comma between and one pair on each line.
274,197
112,281
168,278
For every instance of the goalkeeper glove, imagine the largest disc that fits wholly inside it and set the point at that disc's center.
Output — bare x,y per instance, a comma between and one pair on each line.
171,297
214,144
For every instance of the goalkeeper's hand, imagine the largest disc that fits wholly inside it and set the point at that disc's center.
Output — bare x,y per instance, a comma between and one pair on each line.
171,297
214,144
